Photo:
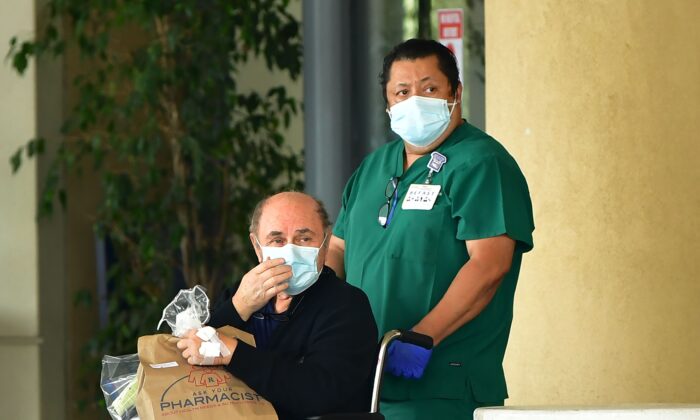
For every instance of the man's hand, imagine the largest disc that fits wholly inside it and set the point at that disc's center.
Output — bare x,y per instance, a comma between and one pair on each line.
191,343
261,284
407,360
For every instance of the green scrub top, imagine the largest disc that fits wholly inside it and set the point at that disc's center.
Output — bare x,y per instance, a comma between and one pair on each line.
406,268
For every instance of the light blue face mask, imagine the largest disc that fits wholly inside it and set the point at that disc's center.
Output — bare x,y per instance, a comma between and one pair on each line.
420,120
303,260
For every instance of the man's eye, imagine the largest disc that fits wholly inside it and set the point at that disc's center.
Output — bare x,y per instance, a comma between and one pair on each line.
431,89
403,92
276,241
305,239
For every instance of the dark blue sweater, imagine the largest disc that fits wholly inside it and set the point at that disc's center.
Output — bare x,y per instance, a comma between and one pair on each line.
320,361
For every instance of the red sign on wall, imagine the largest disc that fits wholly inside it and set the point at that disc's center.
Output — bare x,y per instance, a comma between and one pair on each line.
450,23
450,30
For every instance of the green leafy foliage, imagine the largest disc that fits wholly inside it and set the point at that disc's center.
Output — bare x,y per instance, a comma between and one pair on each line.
182,151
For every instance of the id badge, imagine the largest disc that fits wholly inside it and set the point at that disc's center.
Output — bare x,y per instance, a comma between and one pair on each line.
420,197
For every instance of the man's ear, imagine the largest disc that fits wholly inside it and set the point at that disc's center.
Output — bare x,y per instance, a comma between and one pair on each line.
256,247
458,93
323,251
329,233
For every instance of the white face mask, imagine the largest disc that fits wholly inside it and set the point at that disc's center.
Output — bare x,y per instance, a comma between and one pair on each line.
420,120
302,259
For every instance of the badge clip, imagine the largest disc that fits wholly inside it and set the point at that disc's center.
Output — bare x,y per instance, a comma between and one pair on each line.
437,160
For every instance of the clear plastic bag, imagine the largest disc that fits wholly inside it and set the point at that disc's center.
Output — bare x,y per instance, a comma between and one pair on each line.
119,385
188,310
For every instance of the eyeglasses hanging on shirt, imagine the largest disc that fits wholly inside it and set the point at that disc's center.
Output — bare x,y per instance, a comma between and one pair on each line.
386,211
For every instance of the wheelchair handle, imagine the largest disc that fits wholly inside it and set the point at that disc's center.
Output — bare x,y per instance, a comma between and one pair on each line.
412,337
406,336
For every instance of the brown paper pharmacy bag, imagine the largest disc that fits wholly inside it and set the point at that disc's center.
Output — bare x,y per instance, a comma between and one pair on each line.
169,388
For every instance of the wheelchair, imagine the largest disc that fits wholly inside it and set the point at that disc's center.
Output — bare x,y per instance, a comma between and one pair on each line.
405,336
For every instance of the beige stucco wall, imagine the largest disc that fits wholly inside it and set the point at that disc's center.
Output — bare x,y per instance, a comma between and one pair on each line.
19,316
598,101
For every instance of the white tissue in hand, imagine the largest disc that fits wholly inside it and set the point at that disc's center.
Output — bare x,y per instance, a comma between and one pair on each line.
208,349
211,346
206,333
185,321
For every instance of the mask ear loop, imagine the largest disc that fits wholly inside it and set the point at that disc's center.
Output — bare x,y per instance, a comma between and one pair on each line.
262,258
319,250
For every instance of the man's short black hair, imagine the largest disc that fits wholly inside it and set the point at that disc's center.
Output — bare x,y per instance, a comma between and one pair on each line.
421,48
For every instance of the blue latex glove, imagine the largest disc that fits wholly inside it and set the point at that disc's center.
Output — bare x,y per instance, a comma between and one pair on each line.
407,360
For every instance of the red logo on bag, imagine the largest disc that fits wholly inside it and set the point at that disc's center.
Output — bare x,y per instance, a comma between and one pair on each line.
207,376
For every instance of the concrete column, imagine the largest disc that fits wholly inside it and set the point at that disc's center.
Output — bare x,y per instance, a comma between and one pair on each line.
344,119
20,341
327,110
33,296
598,101
54,294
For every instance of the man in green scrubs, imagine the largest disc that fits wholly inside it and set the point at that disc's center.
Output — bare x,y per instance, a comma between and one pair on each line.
432,227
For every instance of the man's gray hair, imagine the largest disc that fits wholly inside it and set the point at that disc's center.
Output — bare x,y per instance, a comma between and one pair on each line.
257,212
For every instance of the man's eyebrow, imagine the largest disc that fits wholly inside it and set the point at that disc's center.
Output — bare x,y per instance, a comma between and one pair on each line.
425,79
304,230
274,233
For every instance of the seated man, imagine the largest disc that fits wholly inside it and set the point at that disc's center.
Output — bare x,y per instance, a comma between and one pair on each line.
315,334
